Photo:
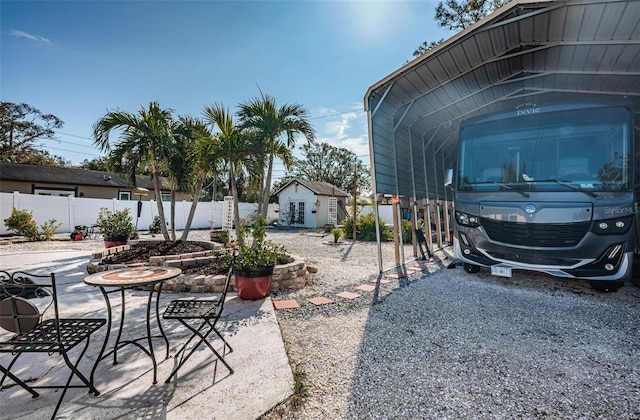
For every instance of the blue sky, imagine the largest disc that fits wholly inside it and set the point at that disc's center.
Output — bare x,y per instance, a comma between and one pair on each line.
80,59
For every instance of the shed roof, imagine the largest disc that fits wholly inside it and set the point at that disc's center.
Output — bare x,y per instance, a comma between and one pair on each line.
527,52
72,176
317,187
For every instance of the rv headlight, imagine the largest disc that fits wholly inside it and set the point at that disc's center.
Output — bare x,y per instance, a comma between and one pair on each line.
467,220
615,226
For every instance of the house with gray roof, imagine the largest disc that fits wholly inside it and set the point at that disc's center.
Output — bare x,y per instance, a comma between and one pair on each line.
311,204
76,182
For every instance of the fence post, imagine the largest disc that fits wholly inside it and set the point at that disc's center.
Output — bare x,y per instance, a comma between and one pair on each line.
16,200
71,213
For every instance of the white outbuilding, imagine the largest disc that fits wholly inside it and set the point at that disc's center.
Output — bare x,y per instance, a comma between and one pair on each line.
311,204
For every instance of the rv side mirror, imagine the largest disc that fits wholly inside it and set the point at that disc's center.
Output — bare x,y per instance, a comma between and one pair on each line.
448,179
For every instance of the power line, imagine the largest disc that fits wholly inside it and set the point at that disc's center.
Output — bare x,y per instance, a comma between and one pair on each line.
333,115
71,151
73,135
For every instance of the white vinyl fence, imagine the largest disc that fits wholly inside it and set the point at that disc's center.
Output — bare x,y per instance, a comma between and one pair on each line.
384,212
73,211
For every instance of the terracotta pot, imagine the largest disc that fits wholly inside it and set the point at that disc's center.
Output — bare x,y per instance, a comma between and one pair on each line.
115,241
253,283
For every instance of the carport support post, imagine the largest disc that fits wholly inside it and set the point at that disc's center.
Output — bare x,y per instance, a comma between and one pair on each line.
427,223
436,210
396,246
355,200
414,225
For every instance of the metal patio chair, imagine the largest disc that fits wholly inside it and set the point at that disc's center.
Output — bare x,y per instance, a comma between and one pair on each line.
206,312
25,310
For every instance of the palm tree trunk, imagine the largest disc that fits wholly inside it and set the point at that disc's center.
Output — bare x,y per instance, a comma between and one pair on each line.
236,208
192,212
158,194
261,182
267,188
173,214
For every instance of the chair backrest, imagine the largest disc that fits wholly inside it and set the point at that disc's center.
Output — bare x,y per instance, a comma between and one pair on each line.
19,292
227,283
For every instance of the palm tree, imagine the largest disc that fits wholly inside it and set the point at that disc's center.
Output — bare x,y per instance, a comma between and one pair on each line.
270,123
201,151
145,141
233,147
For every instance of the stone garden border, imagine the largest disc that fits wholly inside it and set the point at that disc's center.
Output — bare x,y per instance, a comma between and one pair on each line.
293,275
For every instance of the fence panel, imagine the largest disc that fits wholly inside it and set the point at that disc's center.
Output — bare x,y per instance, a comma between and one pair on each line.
73,211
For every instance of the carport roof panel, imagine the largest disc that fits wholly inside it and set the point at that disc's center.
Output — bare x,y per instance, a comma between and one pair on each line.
524,53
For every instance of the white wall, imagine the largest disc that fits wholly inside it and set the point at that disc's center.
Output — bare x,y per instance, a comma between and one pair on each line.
73,211
384,211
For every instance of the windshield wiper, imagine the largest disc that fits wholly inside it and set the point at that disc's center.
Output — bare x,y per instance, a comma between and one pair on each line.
501,185
568,185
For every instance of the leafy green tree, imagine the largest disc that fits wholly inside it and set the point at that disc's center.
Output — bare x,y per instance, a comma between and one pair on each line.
327,163
97,164
268,123
21,127
426,46
457,15
144,142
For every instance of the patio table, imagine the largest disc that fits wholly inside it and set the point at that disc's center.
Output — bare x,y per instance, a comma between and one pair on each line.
113,281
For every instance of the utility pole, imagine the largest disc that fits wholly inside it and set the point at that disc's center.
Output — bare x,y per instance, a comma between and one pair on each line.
355,199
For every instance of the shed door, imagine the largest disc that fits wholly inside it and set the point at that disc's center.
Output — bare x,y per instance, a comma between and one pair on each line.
333,211
296,212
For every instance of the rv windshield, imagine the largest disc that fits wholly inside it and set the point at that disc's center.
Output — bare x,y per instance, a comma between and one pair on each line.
587,149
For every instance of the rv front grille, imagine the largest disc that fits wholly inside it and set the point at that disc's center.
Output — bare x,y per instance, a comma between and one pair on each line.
549,235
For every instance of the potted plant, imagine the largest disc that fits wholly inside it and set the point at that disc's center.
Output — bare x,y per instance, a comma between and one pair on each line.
116,226
254,264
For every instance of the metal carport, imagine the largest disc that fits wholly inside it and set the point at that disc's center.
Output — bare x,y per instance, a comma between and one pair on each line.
527,52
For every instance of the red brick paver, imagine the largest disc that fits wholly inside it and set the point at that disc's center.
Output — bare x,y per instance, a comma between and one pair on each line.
348,295
320,301
285,304
382,281
366,287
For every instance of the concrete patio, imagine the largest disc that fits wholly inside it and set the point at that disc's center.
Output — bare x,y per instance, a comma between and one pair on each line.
202,389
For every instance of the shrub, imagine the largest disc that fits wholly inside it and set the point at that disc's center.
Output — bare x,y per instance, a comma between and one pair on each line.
407,228
23,223
154,227
261,253
49,229
115,224
337,233
366,228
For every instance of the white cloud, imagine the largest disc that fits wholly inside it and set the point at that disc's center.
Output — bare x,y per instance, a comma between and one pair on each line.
346,129
22,34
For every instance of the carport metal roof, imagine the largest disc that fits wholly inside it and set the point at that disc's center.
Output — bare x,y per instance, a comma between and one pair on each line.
527,52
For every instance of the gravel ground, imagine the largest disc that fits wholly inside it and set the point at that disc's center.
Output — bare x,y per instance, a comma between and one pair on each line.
449,344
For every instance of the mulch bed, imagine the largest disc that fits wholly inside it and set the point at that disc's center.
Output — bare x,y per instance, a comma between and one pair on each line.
207,269
142,252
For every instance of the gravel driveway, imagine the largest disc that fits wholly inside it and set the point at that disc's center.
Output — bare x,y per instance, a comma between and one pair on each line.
456,345
451,345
